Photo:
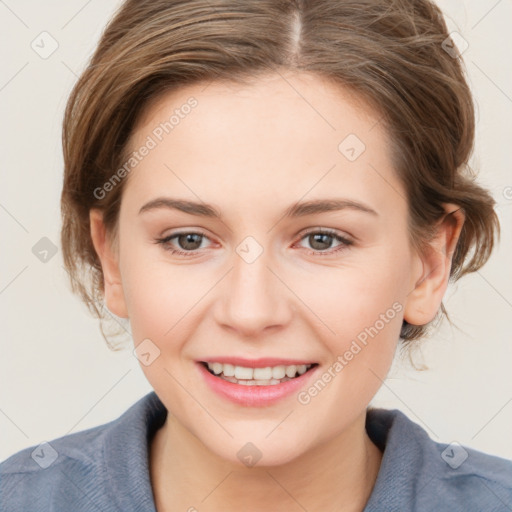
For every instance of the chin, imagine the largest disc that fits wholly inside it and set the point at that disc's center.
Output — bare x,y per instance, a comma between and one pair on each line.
257,452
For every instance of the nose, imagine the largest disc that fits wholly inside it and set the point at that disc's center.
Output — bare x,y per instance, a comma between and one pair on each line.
253,298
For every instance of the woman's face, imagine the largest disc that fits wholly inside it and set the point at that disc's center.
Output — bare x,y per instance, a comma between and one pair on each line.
257,282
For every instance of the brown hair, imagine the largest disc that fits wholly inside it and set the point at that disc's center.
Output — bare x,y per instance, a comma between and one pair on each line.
391,53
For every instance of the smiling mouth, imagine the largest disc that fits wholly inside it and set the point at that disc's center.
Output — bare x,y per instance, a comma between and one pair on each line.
268,376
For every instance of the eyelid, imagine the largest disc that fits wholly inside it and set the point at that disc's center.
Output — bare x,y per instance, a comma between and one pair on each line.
329,231
190,231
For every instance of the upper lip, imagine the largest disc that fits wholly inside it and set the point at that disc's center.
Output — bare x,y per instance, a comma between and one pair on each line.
262,362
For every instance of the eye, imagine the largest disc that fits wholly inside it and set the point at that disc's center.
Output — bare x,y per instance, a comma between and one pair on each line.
321,239
189,240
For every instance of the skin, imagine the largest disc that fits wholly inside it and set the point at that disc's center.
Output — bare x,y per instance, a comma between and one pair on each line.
252,151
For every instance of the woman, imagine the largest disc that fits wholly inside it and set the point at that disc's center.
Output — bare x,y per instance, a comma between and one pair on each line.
274,194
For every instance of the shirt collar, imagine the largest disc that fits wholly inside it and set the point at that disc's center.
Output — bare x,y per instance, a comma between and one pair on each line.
126,454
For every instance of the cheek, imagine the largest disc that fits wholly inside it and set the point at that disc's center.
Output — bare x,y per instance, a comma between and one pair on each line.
350,298
156,293
366,321
357,312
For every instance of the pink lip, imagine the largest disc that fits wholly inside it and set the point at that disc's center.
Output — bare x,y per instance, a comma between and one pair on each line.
254,396
256,363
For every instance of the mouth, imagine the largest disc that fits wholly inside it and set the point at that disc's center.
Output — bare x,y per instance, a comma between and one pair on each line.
262,376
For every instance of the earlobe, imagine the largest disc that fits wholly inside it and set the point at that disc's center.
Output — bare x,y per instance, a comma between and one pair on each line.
114,296
433,269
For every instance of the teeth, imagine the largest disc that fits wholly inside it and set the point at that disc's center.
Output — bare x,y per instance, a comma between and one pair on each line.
278,372
228,370
262,373
243,373
257,376
217,368
291,371
270,382
302,368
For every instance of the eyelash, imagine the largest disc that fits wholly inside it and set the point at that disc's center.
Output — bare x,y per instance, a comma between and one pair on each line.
346,243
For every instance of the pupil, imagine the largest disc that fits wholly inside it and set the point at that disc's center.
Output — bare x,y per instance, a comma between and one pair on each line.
320,237
187,239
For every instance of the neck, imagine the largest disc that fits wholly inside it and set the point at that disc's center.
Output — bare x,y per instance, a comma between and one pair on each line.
336,475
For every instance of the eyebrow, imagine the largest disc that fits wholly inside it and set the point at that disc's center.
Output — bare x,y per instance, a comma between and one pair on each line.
298,209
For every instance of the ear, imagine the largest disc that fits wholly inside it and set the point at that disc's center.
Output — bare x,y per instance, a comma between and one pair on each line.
108,255
423,302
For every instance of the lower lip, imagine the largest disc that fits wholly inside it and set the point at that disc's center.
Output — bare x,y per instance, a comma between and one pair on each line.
254,396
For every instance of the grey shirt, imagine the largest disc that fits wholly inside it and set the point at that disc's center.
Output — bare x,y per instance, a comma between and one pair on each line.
105,468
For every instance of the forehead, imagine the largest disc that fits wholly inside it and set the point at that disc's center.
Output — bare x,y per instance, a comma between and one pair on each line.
283,134
298,104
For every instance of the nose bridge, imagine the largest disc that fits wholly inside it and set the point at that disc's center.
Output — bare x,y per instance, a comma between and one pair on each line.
253,297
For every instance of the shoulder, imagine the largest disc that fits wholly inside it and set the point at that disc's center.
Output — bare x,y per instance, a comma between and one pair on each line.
425,474
32,478
467,476
81,446
84,471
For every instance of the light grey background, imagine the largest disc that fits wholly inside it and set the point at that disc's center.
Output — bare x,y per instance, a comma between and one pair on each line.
56,374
